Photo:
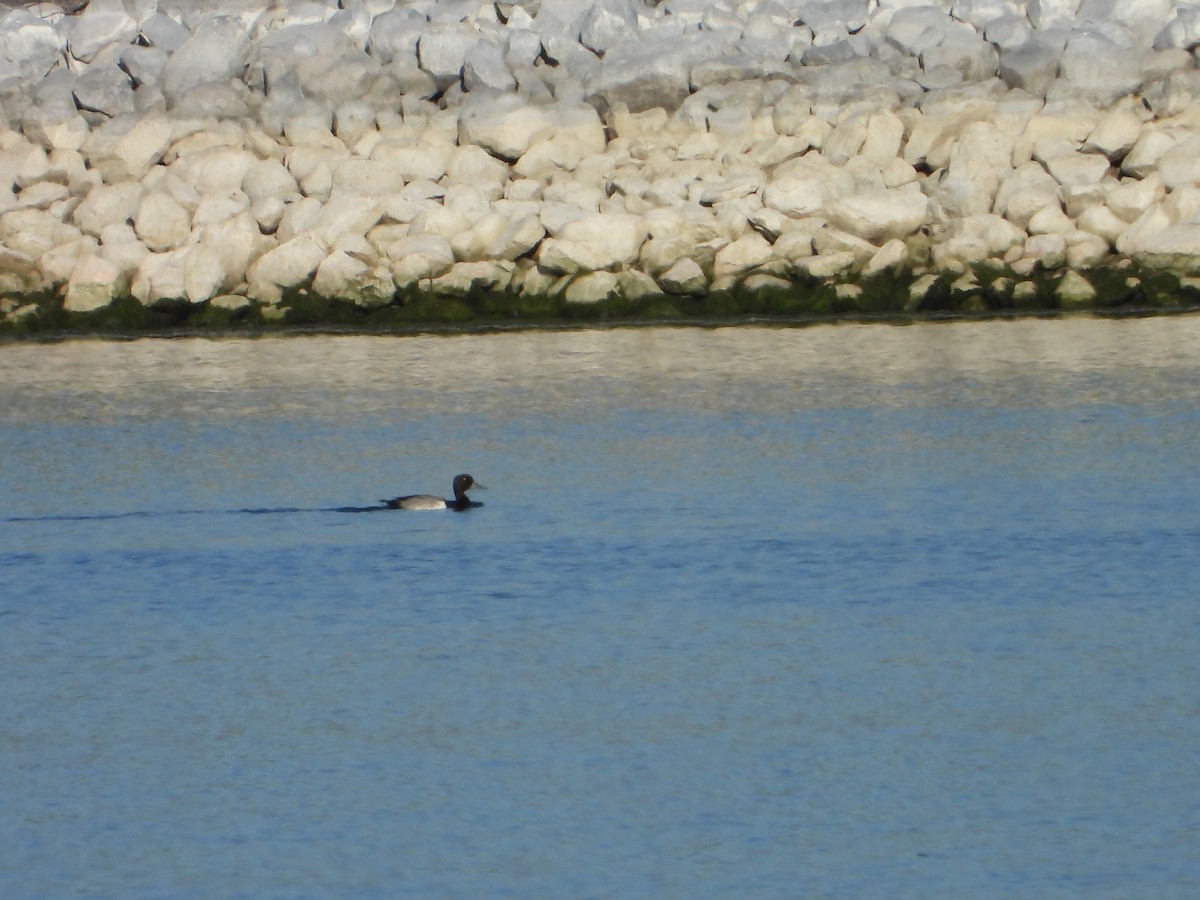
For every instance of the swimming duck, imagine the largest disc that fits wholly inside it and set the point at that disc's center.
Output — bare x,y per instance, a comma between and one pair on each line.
462,484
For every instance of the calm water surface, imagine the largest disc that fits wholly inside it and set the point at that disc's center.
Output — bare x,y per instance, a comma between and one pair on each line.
843,611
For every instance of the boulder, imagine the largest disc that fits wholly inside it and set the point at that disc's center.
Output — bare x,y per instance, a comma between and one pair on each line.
684,277
215,51
1027,190
880,216
748,252
97,27
503,124
288,265
160,278
1101,63
105,204
419,257
29,43
160,222
592,287
593,242
347,277
442,51
1031,66
92,285
127,147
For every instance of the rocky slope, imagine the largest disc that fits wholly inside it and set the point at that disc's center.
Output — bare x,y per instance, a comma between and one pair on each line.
232,156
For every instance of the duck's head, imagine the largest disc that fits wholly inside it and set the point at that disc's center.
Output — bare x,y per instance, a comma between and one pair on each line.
464,483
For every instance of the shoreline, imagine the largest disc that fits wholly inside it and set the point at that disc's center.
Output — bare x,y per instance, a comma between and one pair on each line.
280,329
245,164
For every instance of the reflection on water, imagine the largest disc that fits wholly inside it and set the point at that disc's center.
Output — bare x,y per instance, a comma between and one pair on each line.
829,366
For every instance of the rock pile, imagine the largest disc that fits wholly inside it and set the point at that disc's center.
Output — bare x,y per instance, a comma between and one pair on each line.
231,153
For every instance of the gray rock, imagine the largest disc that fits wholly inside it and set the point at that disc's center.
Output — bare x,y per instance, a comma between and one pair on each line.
144,64
1032,67
216,51
443,50
1102,62
394,36
608,23
164,33
29,43
97,28
104,91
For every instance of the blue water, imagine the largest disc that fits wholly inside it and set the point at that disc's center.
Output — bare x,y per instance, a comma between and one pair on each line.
829,612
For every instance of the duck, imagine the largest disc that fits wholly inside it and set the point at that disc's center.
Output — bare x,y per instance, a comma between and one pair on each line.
462,484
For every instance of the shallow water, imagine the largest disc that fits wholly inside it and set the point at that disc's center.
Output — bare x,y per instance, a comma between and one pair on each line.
839,611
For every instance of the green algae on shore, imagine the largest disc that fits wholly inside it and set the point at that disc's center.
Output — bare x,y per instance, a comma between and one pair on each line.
982,291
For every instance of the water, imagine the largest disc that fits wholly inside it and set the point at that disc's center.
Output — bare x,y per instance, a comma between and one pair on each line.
830,612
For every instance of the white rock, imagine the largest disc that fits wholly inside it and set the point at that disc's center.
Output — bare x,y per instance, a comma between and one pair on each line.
126,147
121,247
214,169
1075,169
468,277
1176,247
1143,157
1085,250
1026,191
475,166
803,187
577,134
978,162
237,242
1073,290
503,124
827,265
286,266
204,274
419,257
1132,197
591,287
414,160
684,277
161,223
881,216
59,262
346,277
593,242
105,204
608,24
30,43
1047,250
54,128
268,178
891,256
495,237
748,252
160,278
1115,133
830,241
347,214
92,284
1180,166
1049,220
1101,221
